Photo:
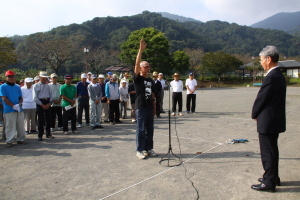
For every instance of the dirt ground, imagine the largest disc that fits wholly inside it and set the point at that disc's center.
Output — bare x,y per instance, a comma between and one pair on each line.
101,164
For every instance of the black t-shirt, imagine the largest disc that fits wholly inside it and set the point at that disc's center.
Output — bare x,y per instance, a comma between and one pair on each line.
144,87
132,96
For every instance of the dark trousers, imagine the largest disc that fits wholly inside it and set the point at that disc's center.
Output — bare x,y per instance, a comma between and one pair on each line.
158,105
190,97
177,98
145,129
162,93
44,118
114,112
56,111
269,157
83,103
67,115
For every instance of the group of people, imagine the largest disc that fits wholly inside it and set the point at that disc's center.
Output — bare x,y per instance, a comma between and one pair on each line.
40,101
94,94
38,105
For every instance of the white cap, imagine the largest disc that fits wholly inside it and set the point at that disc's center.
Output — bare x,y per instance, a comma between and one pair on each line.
101,76
114,76
160,74
83,76
36,78
27,80
89,72
123,81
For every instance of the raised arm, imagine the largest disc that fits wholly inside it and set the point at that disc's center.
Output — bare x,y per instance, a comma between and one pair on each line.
139,57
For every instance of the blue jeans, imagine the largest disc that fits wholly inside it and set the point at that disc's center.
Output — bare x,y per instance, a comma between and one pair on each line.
144,132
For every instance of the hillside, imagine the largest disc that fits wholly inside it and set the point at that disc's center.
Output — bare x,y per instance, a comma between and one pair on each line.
177,17
110,32
280,21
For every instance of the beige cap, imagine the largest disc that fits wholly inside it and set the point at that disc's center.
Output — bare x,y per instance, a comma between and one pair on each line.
43,74
53,75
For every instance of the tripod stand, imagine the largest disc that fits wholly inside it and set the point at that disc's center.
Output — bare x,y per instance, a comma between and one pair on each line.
167,156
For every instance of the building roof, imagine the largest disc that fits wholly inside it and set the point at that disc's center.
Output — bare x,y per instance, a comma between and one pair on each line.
289,64
119,68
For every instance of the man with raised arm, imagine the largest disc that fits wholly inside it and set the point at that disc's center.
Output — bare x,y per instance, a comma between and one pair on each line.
145,105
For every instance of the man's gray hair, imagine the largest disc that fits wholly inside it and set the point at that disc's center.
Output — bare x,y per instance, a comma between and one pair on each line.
270,51
142,63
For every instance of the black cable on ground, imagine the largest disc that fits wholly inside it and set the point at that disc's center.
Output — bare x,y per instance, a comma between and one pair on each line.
183,163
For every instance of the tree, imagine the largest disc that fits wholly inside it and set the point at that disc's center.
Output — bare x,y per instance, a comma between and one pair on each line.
255,68
7,54
100,58
54,51
180,61
219,63
195,56
156,53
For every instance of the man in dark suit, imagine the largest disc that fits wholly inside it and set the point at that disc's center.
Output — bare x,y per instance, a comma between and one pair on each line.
269,113
158,90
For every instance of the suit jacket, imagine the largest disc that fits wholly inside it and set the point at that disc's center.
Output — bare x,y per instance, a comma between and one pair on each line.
269,106
158,88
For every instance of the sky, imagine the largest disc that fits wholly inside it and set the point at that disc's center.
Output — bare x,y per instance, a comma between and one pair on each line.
24,17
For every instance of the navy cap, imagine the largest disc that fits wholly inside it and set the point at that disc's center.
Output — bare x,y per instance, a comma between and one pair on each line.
68,76
110,73
191,74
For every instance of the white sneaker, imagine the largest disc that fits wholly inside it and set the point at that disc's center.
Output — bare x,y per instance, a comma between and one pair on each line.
173,114
180,114
151,153
66,133
51,129
60,128
140,155
79,126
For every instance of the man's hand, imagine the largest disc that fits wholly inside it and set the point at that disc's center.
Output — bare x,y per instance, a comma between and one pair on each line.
142,44
108,101
154,111
73,102
45,107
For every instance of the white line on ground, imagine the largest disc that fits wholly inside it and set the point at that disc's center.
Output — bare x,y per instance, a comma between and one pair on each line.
292,109
186,138
219,144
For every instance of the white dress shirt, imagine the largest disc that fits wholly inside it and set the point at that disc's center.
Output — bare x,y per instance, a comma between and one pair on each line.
191,84
177,86
28,102
270,70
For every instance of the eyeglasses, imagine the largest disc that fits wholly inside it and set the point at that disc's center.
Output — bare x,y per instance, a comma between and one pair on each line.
262,60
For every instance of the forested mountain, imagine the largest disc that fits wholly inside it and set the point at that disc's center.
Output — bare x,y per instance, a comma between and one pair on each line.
177,17
110,32
281,21
236,39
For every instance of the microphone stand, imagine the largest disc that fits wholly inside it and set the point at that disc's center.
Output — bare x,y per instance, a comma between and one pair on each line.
167,156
